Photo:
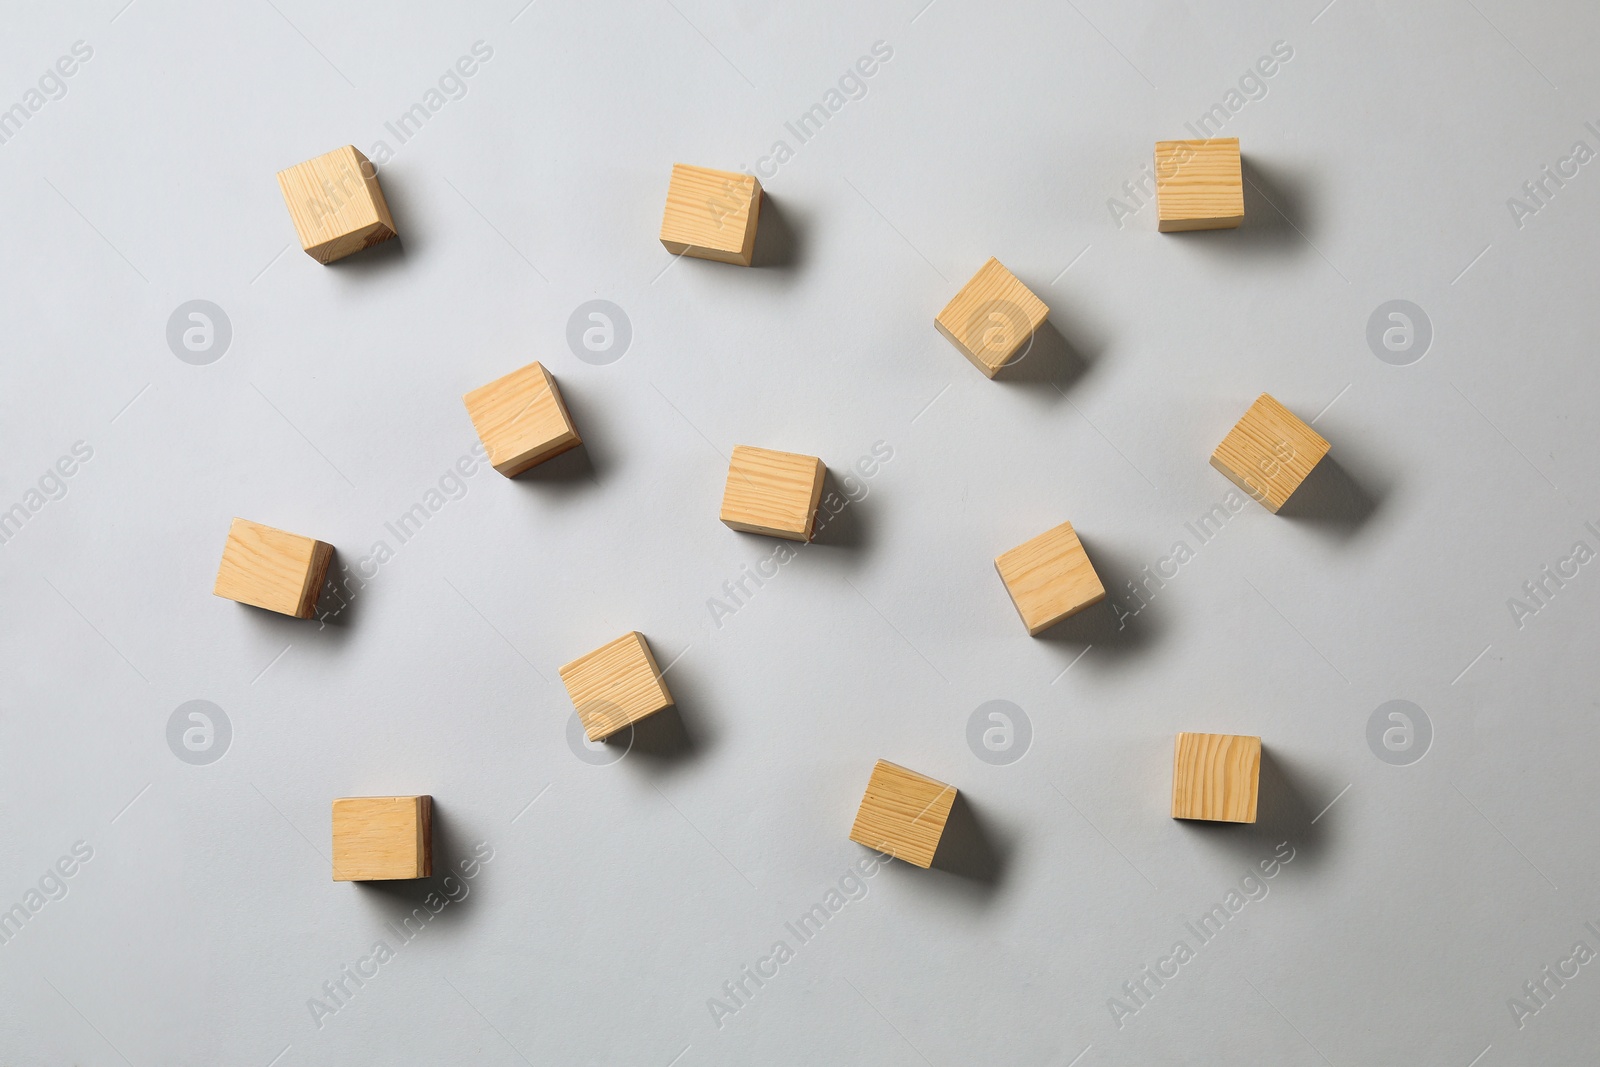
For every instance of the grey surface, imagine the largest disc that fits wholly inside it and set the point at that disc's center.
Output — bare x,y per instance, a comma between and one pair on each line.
1381,158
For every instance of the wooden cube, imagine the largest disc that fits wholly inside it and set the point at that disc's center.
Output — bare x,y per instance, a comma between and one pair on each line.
1050,578
774,493
272,569
903,814
382,838
711,214
336,204
615,686
991,318
1269,453
1199,185
521,420
1215,777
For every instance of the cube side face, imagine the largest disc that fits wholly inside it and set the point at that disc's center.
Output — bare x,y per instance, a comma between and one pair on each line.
615,686
992,318
1199,185
711,214
1269,453
382,838
521,420
772,493
337,207
903,814
1050,578
272,569
1215,777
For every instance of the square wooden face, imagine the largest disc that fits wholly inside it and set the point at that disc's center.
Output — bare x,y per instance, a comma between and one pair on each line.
992,318
1050,578
1269,452
774,493
272,569
1215,777
903,814
382,838
336,204
711,214
1199,185
615,686
521,420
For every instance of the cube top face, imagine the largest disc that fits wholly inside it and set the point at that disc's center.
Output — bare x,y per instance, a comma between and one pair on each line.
903,814
773,493
1215,777
1269,453
521,420
615,686
336,204
1050,578
382,838
1199,185
992,318
711,214
272,569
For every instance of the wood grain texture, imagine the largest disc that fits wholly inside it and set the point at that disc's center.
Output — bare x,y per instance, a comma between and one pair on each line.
991,318
522,420
382,838
1269,452
903,814
1215,777
1050,578
773,493
1199,185
269,568
711,214
616,685
336,204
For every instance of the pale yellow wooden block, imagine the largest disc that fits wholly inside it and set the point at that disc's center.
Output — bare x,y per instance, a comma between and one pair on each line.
521,420
382,838
1269,452
1199,185
1215,777
272,569
774,493
711,214
903,814
336,204
1050,578
991,318
615,686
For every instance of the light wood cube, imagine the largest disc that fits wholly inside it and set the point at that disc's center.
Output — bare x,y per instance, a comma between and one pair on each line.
711,214
382,838
1199,185
903,814
272,569
521,420
1050,578
1269,453
1215,777
774,493
336,204
991,318
615,686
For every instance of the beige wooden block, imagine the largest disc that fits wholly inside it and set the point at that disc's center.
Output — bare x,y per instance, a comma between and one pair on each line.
382,838
903,814
1269,453
615,686
774,493
711,214
991,318
1050,578
521,420
1215,777
1199,185
336,204
272,569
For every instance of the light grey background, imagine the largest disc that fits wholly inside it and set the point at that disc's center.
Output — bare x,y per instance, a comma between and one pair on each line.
1381,159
